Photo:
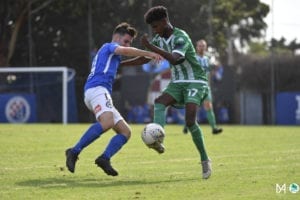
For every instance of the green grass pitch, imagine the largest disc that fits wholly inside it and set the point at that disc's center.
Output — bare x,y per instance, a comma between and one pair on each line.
248,162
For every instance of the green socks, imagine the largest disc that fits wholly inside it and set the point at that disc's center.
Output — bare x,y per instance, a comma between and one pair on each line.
159,118
159,114
211,118
198,140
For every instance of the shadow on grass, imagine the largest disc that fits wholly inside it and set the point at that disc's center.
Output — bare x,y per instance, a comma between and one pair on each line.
65,182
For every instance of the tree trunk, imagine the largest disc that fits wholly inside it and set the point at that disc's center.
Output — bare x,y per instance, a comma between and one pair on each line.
14,35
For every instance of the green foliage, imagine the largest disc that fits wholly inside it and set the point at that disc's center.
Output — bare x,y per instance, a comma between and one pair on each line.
259,48
280,46
61,35
248,162
238,19
69,19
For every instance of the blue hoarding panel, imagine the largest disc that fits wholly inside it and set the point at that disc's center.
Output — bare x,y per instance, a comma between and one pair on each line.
288,108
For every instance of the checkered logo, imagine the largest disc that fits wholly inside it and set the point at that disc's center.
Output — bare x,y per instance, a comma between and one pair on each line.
17,110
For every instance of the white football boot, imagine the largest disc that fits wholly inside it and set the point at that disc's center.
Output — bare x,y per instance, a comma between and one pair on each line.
206,169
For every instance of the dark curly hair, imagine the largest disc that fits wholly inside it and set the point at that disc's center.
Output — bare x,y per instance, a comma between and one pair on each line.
125,28
155,14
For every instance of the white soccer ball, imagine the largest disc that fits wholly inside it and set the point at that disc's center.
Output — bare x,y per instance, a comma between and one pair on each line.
153,133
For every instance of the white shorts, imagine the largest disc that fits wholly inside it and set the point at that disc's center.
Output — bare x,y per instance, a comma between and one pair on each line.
98,100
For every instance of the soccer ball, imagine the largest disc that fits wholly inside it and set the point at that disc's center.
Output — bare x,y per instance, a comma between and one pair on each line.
153,133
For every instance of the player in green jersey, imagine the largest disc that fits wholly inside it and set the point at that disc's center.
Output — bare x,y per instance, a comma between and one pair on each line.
188,83
201,47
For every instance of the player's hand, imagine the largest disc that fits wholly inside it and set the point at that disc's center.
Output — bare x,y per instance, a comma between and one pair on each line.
156,58
144,40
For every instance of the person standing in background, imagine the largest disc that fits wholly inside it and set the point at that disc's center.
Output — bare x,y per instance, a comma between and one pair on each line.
201,48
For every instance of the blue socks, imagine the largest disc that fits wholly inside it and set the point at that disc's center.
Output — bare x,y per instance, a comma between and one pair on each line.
114,146
88,137
92,134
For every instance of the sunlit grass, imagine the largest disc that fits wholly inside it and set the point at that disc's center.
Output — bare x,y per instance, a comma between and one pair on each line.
248,162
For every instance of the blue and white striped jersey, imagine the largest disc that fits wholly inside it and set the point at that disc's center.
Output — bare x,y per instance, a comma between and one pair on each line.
205,63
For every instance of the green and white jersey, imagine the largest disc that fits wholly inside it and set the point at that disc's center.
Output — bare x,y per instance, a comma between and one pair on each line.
188,71
205,63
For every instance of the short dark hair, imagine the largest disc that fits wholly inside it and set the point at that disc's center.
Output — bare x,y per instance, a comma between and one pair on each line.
155,14
125,28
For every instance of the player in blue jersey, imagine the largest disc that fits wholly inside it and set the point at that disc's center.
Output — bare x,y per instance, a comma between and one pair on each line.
97,97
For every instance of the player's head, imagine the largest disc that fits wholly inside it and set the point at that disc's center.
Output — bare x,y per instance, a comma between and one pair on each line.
157,17
124,34
201,46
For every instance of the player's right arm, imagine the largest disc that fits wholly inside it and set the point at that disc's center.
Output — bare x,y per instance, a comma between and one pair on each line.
132,51
174,58
140,60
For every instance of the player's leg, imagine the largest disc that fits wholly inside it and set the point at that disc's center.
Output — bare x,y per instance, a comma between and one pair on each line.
211,117
185,129
116,143
87,138
97,100
198,139
94,131
160,105
195,93
180,105
208,106
195,130
167,98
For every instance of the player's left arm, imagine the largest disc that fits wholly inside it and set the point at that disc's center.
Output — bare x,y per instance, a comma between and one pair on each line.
135,61
174,58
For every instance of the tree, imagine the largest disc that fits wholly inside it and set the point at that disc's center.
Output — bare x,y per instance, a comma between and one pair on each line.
13,17
259,48
235,19
293,46
11,23
219,21
279,47
63,32
59,22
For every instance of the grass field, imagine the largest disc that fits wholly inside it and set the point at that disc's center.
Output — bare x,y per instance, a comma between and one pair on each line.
248,162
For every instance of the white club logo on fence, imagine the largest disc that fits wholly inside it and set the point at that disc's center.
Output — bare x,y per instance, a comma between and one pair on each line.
17,110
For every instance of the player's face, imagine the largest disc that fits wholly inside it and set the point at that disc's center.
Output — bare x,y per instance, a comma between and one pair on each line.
159,27
125,40
201,47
